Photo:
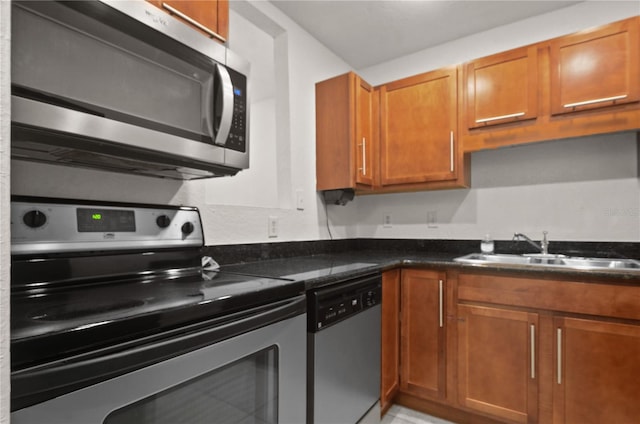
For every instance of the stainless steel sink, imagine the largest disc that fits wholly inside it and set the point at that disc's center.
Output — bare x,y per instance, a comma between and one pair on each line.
555,261
598,263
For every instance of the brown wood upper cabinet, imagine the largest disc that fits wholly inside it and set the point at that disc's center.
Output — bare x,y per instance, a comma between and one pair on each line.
502,88
345,127
418,140
365,123
422,333
596,68
210,17
572,86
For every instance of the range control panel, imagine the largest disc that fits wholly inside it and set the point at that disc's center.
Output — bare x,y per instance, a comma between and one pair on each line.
40,225
338,302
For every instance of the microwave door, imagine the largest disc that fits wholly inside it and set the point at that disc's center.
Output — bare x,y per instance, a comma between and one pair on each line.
95,87
224,105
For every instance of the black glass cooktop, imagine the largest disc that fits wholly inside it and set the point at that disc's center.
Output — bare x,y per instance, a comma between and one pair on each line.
321,266
51,321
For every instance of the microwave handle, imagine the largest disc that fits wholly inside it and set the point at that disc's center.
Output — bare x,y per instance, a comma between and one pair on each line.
224,126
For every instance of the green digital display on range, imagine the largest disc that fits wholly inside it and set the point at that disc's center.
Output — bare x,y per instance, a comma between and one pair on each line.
105,220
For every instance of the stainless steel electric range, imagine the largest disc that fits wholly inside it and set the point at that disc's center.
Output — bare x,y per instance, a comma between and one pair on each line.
115,320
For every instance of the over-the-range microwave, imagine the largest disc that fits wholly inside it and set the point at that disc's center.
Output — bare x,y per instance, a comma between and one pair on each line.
124,87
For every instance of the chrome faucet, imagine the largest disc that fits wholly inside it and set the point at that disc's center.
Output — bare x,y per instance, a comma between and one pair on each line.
543,247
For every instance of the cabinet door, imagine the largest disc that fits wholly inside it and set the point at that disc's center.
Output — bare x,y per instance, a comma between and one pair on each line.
502,88
597,378
210,17
344,133
418,128
364,142
390,360
596,69
497,366
423,333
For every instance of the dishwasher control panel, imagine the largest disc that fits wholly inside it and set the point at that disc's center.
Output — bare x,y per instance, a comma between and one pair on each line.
327,306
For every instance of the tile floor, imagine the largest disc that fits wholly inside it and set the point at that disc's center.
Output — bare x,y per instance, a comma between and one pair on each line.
401,415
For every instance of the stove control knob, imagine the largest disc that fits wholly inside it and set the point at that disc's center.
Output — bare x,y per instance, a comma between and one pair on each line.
187,228
163,221
34,219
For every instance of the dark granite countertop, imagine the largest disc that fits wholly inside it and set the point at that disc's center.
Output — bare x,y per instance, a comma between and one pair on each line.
321,269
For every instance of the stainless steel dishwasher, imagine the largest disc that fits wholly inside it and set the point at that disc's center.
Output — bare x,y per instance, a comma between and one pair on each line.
343,344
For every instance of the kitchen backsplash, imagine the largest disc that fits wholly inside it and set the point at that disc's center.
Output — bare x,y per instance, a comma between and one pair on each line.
253,252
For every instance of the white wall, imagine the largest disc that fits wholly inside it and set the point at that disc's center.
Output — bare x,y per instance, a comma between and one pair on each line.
584,189
581,189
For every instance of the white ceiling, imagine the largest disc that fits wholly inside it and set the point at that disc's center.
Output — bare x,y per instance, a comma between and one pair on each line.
368,32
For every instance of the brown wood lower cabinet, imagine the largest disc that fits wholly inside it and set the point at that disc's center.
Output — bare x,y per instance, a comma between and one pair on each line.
390,360
497,362
549,351
597,372
422,330
522,350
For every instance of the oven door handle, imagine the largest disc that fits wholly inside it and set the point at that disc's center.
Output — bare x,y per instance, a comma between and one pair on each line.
44,382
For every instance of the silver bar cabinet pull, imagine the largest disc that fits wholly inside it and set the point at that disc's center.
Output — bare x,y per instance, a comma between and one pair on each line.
451,159
495,118
559,365
193,22
441,302
364,156
533,351
590,102
363,148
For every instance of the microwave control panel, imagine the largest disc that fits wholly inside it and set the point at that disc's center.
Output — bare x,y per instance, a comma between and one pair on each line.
238,133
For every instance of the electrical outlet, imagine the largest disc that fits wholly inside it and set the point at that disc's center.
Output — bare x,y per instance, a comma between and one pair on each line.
386,220
299,200
432,219
273,227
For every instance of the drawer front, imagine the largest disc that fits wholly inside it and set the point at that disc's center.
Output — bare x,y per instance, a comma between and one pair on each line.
617,301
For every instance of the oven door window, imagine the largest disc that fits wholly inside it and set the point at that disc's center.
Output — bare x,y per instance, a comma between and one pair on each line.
244,391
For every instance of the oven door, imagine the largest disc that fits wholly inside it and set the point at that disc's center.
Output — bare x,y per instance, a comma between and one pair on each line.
257,376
